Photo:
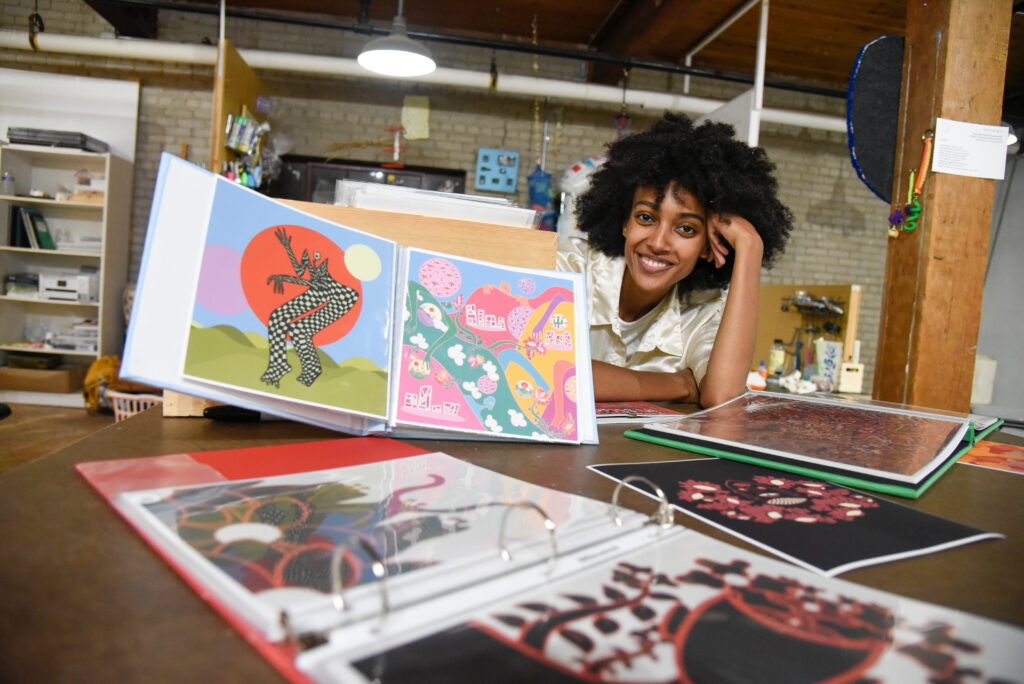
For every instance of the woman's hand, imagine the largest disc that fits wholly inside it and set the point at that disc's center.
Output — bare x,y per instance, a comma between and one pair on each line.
727,231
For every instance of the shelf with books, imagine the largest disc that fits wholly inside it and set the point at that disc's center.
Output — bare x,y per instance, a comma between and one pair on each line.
71,238
28,327
59,252
47,202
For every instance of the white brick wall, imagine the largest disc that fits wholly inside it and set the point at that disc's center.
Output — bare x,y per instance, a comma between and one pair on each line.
840,233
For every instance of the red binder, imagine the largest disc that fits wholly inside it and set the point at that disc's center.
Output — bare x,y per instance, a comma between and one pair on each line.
110,478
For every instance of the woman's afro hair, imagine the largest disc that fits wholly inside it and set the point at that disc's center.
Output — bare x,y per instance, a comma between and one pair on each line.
723,173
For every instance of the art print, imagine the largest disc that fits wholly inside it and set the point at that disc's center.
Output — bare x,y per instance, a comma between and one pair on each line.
292,306
433,516
632,412
821,526
996,456
861,439
483,353
692,609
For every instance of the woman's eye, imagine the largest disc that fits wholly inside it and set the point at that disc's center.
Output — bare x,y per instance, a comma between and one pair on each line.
687,230
644,217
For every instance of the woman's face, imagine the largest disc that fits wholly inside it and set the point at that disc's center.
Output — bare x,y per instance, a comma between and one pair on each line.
663,242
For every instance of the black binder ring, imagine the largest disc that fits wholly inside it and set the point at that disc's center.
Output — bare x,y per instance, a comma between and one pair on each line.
549,525
663,517
378,567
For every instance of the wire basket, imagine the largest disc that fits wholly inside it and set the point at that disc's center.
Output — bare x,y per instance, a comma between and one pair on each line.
127,404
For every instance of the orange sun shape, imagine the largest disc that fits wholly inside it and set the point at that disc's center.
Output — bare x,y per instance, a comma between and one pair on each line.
265,256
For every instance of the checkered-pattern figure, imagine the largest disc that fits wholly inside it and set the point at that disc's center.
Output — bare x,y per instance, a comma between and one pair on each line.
328,300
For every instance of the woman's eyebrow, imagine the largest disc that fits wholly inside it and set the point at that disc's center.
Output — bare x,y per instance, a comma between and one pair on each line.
655,207
684,214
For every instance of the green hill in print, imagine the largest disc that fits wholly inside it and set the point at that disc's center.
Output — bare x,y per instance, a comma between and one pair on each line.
226,355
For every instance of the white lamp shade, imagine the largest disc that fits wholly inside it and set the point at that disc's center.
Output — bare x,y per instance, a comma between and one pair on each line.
396,54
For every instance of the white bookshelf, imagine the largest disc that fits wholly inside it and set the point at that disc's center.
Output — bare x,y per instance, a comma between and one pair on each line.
105,223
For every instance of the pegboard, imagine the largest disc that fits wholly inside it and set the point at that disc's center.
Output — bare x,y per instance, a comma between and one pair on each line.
496,170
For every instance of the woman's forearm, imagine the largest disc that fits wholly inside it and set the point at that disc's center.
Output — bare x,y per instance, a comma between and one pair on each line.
614,383
733,350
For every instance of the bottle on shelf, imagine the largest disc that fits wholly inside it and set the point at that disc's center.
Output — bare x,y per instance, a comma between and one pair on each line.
777,358
756,379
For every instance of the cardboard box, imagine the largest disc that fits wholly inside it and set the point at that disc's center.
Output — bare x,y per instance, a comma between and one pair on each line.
851,378
58,380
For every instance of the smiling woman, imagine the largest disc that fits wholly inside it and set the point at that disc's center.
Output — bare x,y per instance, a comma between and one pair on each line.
679,222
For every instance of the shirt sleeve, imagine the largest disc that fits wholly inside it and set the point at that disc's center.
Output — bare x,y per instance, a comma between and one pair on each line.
703,339
571,257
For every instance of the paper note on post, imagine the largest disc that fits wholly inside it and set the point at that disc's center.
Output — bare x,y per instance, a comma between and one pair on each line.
967,149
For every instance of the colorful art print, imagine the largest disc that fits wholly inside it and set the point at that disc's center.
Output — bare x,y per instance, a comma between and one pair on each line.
996,456
292,306
692,609
626,411
274,537
482,354
820,526
903,446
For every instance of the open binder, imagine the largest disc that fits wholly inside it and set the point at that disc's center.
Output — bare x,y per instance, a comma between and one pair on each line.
287,558
248,301
425,568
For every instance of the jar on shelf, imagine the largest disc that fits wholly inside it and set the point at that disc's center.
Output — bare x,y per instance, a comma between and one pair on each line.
777,358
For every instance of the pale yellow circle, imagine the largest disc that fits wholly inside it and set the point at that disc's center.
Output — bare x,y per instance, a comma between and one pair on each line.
362,262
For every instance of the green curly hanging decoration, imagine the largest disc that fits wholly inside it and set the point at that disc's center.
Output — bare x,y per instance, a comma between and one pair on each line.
913,211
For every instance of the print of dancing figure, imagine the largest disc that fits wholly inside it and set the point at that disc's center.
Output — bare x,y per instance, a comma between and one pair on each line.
324,301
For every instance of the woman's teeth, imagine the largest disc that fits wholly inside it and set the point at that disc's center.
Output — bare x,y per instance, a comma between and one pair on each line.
653,264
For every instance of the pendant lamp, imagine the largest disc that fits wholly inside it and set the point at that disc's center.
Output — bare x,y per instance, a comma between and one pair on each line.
397,54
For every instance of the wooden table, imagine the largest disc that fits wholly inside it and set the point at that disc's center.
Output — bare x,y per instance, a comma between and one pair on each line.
84,598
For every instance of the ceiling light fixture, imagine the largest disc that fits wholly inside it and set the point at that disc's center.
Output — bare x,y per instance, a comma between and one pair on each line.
397,54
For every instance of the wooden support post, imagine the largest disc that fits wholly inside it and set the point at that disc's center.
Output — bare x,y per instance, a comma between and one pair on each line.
953,68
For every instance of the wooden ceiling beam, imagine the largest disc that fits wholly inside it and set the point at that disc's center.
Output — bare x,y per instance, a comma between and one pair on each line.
635,27
127,21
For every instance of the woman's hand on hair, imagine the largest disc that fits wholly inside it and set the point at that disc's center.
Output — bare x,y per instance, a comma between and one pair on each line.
729,231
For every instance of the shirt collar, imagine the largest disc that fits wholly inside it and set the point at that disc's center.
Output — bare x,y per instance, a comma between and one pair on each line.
664,332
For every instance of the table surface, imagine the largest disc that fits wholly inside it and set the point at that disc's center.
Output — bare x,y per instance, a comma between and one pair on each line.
82,596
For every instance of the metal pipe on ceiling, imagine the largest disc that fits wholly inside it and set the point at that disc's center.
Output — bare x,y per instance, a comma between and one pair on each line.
585,55
163,51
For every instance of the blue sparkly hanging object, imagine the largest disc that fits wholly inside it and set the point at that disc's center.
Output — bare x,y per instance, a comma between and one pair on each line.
540,197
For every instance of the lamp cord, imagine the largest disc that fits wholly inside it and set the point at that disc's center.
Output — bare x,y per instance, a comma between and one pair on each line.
35,26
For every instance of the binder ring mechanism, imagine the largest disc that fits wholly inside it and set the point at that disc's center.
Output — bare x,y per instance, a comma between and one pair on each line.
662,517
308,640
377,567
549,525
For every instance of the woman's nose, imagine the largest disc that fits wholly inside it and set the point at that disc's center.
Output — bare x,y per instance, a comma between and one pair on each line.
660,236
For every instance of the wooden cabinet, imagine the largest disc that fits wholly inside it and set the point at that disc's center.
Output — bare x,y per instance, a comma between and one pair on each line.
92,236
782,314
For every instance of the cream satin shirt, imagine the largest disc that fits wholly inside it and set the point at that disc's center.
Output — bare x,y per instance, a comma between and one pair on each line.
681,332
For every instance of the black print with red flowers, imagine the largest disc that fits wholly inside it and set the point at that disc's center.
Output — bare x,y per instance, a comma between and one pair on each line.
769,499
